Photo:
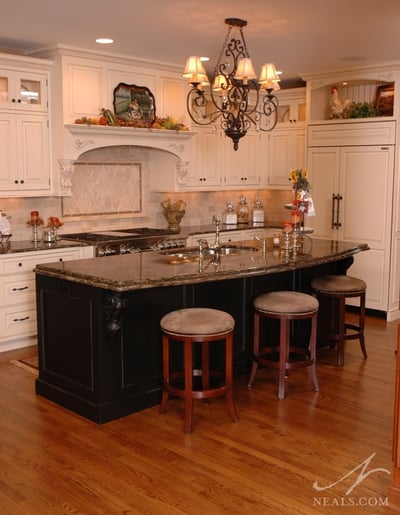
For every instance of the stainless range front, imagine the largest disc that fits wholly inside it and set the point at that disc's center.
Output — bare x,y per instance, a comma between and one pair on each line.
128,241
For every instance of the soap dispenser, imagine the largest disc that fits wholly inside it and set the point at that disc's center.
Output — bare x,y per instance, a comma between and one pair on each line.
258,212
243,211
229,217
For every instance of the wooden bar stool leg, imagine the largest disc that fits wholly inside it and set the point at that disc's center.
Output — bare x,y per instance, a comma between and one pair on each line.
205,366
341,330
188,398
256,348
362,325
166,372
229,377
313,351
283,354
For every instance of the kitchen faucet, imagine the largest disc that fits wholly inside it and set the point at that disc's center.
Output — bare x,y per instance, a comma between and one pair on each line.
217,221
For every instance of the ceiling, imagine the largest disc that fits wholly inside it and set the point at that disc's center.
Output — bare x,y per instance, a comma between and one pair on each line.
300,37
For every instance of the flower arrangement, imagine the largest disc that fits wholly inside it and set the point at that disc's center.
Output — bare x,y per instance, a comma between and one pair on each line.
35,219
54,223
299,180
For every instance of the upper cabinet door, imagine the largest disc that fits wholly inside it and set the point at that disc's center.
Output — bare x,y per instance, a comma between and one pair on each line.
25,91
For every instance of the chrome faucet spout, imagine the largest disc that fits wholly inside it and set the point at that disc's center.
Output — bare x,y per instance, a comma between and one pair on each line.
217,221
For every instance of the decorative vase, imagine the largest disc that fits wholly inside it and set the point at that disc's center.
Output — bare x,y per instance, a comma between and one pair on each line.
174,219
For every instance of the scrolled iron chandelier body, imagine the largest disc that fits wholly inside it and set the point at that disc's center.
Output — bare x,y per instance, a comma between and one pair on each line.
234,97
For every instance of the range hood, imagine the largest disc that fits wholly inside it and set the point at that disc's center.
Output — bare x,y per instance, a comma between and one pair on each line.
79,139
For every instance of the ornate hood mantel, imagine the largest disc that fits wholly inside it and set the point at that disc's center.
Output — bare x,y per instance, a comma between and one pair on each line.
79,138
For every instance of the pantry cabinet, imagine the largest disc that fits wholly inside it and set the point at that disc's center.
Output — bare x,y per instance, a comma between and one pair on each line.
352,189
24,127
17,291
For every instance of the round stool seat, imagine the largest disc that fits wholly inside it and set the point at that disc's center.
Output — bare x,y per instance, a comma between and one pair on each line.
197,321
338,284
290,302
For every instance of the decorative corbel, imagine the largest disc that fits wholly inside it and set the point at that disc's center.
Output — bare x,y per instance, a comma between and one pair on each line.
181,172
67,170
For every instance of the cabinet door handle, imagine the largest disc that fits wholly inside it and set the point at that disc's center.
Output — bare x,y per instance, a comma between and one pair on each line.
339,198
21,289
333,211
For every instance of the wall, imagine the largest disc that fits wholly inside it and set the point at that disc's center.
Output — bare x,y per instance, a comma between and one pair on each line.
94,193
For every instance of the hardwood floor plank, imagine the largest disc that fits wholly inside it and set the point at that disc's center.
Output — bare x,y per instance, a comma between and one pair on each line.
55,462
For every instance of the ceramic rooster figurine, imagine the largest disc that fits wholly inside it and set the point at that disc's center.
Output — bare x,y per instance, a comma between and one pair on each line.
337,109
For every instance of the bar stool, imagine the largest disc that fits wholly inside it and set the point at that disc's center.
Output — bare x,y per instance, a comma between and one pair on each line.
286,306
337,288
193,326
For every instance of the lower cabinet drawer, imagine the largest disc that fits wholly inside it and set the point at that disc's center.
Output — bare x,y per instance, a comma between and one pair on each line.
15,321
17,289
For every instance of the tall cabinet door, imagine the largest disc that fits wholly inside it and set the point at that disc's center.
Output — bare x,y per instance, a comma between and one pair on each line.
324,168
361,178
366,180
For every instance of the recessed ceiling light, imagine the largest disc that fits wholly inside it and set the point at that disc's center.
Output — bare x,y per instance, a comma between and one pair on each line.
104,41
204,59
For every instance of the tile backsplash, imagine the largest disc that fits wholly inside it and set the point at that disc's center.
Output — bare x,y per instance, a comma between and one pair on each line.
119,196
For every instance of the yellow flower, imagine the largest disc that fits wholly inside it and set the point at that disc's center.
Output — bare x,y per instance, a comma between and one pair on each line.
299,180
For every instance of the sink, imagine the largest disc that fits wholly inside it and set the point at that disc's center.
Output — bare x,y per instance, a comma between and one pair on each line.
190,254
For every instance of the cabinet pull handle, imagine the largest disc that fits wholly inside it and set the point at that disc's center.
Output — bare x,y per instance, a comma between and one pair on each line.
333,211
338,224
21,289
20,319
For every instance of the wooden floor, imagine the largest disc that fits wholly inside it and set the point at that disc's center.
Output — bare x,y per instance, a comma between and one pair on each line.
55,462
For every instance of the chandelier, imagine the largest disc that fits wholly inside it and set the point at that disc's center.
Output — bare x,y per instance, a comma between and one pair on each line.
234,97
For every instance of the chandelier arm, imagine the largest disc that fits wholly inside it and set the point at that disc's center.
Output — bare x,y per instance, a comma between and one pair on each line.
196,103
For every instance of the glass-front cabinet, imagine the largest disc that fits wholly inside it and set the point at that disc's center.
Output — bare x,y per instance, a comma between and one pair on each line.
23,90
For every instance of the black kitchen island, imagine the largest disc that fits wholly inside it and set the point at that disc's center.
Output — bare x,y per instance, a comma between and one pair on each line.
99,339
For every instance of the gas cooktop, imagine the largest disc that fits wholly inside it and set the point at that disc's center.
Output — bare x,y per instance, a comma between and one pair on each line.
117,235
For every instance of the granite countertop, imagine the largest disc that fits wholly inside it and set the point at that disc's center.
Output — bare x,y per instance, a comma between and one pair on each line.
155,269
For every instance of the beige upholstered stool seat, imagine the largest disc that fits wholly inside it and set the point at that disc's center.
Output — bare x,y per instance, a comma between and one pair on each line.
286,306
198,321
337,288
338,284
286,302
191,327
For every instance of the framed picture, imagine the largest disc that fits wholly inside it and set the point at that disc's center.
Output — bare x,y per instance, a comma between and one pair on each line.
384,97
134,103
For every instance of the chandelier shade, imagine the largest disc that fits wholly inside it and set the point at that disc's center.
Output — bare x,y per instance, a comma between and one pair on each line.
235,98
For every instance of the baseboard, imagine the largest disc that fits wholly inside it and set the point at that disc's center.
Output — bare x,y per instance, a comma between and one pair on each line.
18,343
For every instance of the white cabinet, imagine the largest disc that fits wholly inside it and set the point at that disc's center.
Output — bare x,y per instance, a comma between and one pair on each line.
23,90
215,165
292,106
17,291
24,126
352,188
246,166
287,151
24,151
